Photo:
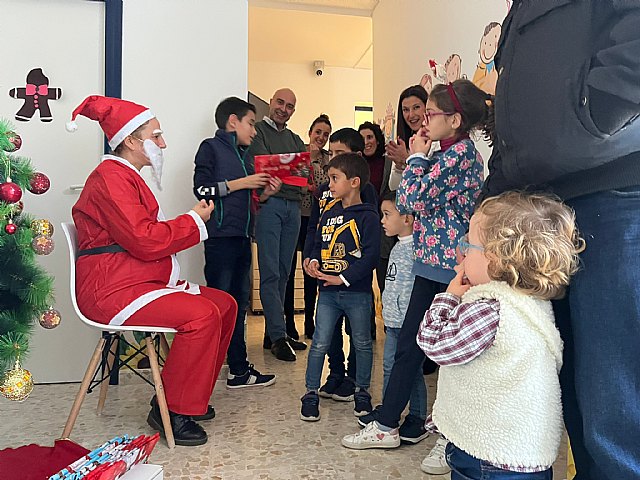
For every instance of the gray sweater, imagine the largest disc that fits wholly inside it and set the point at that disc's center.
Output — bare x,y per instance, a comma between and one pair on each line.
398,283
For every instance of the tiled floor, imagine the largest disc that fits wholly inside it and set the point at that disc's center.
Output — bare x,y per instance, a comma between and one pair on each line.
257,433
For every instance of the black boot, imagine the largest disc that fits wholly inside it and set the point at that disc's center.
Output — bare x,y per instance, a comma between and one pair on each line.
186,432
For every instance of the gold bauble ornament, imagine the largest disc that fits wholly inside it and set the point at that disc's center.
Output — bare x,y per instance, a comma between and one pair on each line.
17,383
42,227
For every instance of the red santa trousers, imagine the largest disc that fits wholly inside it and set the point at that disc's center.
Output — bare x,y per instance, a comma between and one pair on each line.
205,324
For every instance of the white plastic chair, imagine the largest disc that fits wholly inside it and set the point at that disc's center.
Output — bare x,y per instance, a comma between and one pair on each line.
113,333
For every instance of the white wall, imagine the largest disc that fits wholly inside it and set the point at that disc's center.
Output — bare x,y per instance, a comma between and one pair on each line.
180,59
335,93
178,68
407,33
72,59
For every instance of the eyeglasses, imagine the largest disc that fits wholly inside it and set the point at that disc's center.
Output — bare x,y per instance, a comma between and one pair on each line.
464,246
428,115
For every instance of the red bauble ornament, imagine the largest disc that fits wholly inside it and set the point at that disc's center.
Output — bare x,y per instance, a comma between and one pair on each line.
10,192
15,139
39,183
10,228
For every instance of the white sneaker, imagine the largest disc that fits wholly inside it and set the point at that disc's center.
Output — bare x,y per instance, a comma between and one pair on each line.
372,437
435,462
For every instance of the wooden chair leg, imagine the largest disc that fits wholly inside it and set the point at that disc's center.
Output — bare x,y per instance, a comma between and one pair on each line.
162,401
164,346
111,356
86,381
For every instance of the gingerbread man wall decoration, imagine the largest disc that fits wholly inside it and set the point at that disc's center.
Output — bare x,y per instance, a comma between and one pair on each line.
36,95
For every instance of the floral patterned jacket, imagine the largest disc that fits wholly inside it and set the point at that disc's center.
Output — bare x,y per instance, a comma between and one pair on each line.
441,192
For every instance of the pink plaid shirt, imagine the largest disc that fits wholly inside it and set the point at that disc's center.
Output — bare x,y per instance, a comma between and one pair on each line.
454,333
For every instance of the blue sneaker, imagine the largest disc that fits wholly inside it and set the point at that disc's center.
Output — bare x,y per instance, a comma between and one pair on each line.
310,411
412,430
330,386
362,403
345,391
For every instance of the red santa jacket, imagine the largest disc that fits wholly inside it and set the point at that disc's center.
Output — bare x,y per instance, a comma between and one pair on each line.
116,206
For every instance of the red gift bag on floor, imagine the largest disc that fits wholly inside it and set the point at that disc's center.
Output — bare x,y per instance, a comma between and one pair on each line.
35,462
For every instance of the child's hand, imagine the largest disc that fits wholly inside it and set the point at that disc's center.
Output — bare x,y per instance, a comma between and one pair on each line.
312,268
329,279
420,143
459,285
250,182
272,187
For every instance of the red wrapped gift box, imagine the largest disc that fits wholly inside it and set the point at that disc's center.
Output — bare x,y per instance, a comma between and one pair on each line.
291,168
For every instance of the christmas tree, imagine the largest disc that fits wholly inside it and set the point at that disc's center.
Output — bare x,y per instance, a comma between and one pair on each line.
26,290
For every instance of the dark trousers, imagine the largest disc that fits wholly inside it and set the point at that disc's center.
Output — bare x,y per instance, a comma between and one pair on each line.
310,289
336,352
599,321
409,358
227,268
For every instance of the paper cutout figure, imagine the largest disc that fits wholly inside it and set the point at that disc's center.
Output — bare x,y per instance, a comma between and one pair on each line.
453,68
36,95
486,75
427,82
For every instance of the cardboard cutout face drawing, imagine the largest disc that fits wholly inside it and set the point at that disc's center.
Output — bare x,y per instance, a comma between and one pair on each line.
486,75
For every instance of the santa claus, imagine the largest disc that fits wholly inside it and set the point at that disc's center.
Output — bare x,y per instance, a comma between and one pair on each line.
127,271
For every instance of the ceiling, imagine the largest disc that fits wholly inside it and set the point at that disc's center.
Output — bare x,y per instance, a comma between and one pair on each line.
283,35
344,7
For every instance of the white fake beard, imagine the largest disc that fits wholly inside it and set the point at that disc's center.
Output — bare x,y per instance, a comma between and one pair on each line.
154,153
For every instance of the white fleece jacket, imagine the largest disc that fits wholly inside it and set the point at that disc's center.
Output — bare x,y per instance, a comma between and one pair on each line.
504,406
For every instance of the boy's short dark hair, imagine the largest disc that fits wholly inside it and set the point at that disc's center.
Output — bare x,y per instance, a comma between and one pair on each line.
390,196
232,106
350,137
352,165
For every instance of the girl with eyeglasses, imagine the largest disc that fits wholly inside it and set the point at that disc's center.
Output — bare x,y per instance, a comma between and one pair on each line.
440,191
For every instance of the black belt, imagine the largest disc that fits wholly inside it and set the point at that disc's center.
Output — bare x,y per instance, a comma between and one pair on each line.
115,248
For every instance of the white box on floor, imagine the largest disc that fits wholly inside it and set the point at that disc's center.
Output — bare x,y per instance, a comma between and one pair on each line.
144,471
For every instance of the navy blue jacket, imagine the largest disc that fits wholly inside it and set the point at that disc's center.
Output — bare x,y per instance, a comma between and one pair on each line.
319,201
567,101
347,243
220,159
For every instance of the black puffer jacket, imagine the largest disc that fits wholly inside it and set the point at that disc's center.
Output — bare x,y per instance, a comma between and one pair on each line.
568,97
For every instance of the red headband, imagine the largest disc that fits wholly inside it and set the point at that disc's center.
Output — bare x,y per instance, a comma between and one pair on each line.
454,98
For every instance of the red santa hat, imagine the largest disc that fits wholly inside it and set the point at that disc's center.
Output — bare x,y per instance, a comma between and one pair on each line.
118,118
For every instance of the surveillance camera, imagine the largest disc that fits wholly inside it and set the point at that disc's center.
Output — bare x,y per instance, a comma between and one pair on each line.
318,66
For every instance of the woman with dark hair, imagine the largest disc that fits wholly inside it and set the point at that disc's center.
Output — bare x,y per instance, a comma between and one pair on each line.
412,105
318,137
380,170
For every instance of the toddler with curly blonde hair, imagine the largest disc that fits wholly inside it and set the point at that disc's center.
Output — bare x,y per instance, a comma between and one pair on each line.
493,334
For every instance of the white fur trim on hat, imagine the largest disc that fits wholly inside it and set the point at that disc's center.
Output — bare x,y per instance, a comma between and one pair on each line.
130,127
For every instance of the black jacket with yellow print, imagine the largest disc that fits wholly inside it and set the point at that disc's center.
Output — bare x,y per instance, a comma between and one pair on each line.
347,243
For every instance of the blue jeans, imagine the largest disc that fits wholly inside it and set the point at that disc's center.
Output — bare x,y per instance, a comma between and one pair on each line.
331,306
599,321
227,268
465,467
418,399
277,227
